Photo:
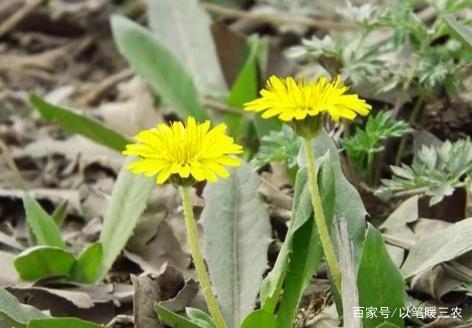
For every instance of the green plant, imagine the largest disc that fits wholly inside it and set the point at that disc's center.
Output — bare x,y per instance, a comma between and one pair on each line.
366,142
278,146
235,219
48,256
19,315
411,57
436,171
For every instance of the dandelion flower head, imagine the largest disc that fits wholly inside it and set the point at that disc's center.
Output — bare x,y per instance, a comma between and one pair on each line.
295,100
185,151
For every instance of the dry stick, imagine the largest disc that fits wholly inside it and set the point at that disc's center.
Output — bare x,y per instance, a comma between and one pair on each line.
46,59
100,89
16,18
396,241
11,164
221,107
277,19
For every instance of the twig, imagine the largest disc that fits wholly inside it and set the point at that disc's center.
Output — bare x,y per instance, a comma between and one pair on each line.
410,192
11,164
93,96
16,18
398,242
277,19
48,58
221,107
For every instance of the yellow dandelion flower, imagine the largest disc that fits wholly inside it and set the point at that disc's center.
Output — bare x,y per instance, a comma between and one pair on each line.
295,100
183,151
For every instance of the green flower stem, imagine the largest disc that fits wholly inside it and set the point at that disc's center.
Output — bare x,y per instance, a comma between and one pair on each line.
202,273
320,219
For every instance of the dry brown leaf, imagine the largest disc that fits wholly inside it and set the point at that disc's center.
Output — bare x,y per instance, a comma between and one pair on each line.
145,295
135,111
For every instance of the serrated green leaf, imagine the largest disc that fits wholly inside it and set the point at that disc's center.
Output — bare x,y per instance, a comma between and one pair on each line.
278,146
436,171
61,323
155,64
87,268
379,281
45,230
14,313
173,319
127,203
237,235
459,30
80,124
44,261
368,140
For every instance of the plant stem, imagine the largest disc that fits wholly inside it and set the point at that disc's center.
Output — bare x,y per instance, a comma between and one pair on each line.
11,164
370,164
320,219
202,273
411,121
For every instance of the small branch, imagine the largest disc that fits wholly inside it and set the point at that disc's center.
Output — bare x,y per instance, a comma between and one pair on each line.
410,192
277,19
11,164
99,90
398,242
21,14
221,107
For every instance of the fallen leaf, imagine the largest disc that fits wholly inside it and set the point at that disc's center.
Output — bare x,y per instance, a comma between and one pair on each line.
438,247
146,294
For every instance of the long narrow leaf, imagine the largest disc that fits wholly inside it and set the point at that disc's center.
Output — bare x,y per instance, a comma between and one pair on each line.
61,323
237,234
302,211
14,313
379,281
87,268
306,250
80,124
127,203
45,230
192,44
171,318
155,64
307,253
